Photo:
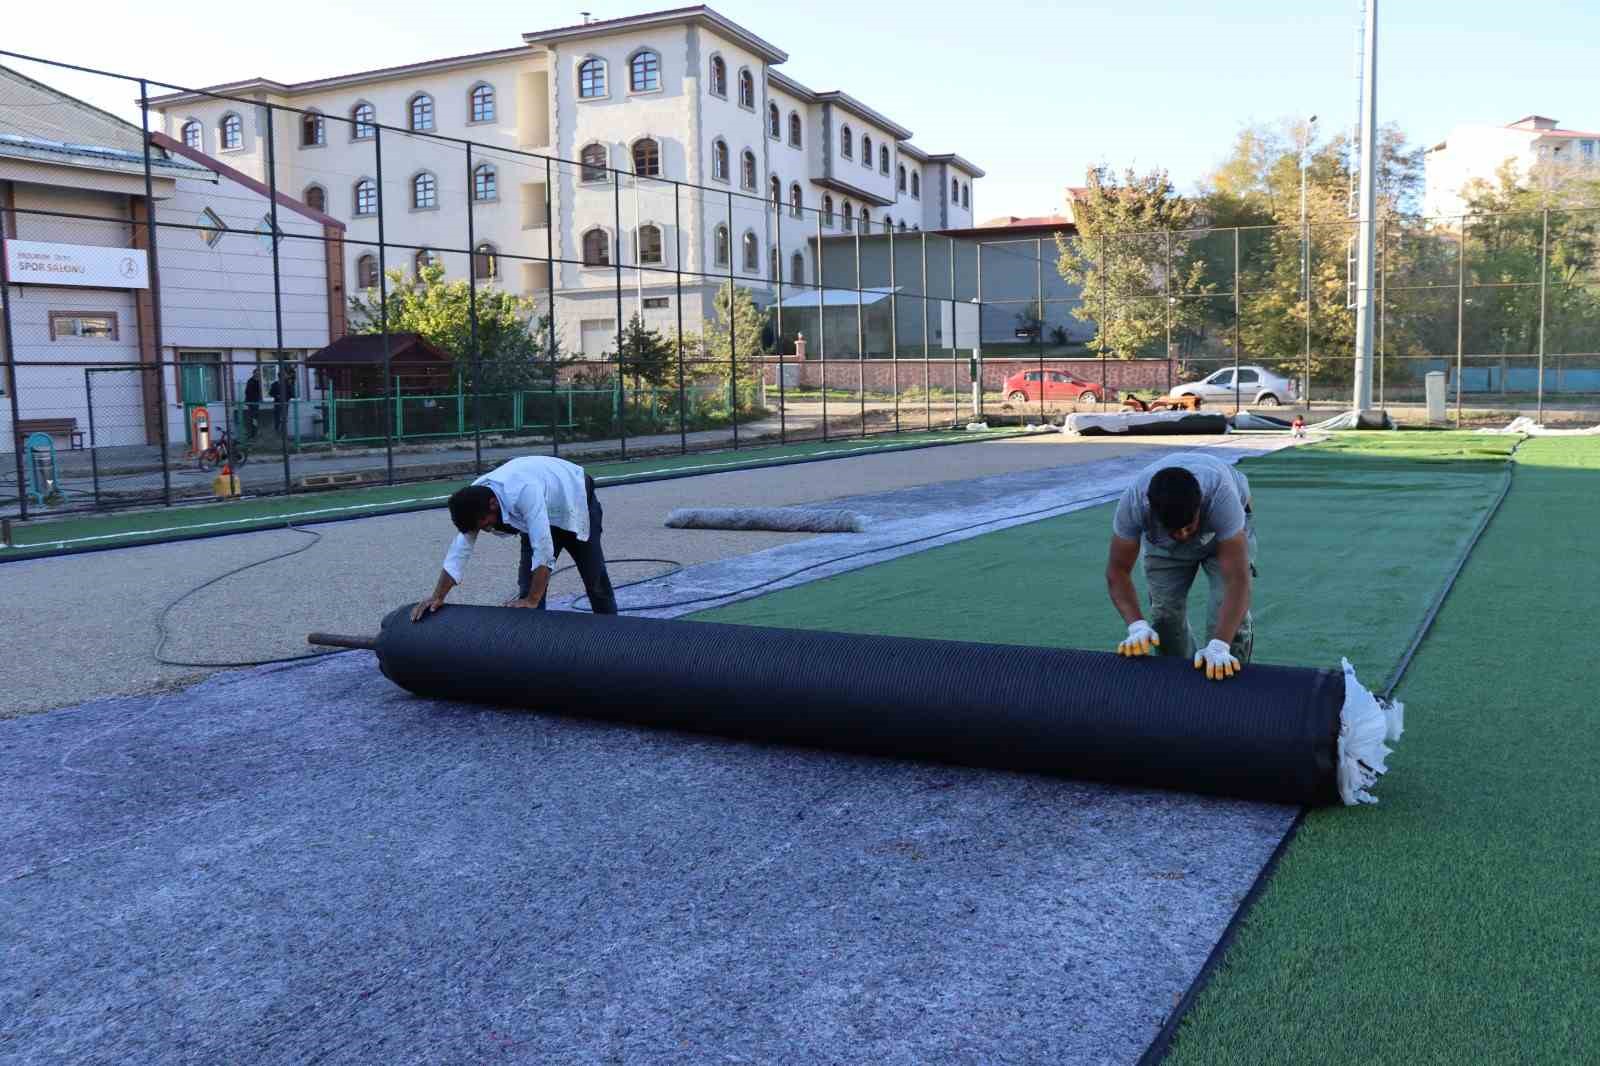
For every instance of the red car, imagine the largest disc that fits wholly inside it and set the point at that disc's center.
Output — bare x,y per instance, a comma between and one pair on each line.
1059,386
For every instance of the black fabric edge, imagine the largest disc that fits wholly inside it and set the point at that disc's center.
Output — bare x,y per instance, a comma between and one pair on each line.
1166,1036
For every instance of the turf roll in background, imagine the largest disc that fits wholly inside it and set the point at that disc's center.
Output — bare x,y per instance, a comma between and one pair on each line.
1280,734
1145,424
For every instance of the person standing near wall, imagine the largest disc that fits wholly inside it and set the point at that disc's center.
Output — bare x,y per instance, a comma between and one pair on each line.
280,403
252,405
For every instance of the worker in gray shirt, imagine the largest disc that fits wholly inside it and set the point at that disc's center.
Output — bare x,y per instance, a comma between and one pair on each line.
1188,513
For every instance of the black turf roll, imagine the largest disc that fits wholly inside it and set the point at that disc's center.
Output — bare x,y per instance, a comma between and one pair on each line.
1268,734
1188,425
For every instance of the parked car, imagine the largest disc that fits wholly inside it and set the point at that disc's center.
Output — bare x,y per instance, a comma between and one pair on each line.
1256,387
1058,385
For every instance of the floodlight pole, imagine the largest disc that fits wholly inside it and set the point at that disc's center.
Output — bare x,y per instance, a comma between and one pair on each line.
1367,211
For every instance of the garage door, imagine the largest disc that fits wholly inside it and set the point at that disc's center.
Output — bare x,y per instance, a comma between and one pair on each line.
598,336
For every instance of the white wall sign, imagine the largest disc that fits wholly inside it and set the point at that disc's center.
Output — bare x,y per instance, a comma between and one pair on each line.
43,263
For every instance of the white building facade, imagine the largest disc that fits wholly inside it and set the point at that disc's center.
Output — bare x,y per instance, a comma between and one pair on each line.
1476,152
728,168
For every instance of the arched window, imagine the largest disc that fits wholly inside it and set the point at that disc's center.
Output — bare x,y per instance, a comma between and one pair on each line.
363,121
794,130
797,269
596,248
593,158
796,200
847,143
485,262
752,253
647,158
866,219
777,189
315,197
883,159
774,122
366,197
424,260
955,191
421,110
719,246
424,192
480,103
900,180
230,132
747,90
719,160
747,169
650,243
591,78
644,72
966,198
827,210
866,151
916,185
485,183
311,130
367,272
719,77
849,215
191,134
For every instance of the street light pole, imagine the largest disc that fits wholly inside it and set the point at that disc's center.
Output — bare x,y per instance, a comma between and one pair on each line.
1305,258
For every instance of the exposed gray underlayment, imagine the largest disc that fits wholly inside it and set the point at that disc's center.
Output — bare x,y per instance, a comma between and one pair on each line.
307,863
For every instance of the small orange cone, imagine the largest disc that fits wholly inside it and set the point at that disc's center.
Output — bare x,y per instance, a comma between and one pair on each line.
225,484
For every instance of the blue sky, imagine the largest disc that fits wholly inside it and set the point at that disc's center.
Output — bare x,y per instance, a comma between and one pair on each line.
1034,92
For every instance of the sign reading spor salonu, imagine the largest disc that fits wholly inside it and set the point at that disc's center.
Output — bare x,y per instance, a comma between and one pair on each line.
43,263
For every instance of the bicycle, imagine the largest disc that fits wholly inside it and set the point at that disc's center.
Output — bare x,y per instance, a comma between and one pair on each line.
225,450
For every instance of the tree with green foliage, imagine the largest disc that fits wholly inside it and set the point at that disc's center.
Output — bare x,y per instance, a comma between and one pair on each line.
1131,262
513,340
647,355
728,344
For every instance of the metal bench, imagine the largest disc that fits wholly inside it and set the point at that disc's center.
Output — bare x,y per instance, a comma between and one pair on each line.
51,427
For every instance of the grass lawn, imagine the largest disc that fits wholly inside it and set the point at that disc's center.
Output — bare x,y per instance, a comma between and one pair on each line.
50,537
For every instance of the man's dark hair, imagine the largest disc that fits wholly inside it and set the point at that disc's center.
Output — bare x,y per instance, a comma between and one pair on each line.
1174,497
469,505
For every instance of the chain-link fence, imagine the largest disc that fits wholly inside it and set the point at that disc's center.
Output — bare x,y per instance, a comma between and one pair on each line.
348,296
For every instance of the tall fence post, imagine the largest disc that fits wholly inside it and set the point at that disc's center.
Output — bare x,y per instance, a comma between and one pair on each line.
1544,274
472,316
1105,309
822,331
861,330
927,352
1383,301
383,309
894,329
1038,299
1461,314
616,259
1305,274
286,386
11,376
733,330
155,302
677,280
1166,293
1237,310
550,298
778,264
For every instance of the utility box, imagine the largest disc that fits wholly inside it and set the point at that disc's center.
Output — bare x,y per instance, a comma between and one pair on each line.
1433,388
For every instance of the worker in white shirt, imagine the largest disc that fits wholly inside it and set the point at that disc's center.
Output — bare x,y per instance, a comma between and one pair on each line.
551,504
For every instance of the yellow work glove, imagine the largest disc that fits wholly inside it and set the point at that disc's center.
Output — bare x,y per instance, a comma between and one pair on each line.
1142,639
1217,660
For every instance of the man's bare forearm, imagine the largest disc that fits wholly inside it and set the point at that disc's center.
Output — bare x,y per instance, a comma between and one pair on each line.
1124,597
442,588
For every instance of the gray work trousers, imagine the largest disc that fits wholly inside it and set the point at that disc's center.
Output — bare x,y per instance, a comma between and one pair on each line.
1169,576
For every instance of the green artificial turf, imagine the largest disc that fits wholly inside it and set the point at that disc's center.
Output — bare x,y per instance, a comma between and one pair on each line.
124,529
1354,545
1455,922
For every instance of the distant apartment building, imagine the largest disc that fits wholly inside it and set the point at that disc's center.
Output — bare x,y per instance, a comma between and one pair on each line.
98,362
1478,151
681,96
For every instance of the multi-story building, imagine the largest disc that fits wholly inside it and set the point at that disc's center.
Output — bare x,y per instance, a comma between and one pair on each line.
685,148
1478,152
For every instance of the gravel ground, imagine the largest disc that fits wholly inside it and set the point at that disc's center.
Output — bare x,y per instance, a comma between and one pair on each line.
91,618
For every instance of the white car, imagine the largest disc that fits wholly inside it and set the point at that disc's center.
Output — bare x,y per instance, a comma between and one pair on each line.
1256,387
